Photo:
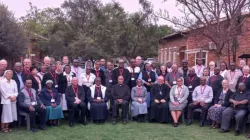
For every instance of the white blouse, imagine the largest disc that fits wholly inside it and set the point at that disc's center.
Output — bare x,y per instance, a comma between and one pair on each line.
87,80
68,77
7,89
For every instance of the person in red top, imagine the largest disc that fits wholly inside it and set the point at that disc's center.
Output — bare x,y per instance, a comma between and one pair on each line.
75,97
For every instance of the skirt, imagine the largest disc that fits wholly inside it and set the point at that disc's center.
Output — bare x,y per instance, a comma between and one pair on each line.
54,113
63,103
98,111
215,113
9,113
180,107
138,109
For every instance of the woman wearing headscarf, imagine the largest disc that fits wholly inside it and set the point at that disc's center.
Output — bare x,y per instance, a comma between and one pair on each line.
139,104
98,106
64,81
51,99
178,100
9,92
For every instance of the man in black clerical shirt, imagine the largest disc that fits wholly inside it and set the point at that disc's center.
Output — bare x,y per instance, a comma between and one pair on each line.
121,71
120,95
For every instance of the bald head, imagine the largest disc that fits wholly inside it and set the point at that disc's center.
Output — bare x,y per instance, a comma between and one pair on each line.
120,80
3,64
138,60
121,63
132,62
98,81
203,80
160,80
18,67
27,63
174,68
74,81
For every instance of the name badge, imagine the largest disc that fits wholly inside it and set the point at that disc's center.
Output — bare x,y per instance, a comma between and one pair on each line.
98,98
160,92
174,82
190,86
178,99
56,86
231,83
52,100
132,79
33,103
149,80
110,81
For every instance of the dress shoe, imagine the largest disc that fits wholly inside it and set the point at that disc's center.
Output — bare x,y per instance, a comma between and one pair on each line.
223,131
114,122
84,123
237,133
42,127
71,124
33,130
201,124
124,121
189,122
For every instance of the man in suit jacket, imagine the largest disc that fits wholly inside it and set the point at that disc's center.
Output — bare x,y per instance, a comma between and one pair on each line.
19,76
51,75
98,72
121,71
29,102
75,97
215,81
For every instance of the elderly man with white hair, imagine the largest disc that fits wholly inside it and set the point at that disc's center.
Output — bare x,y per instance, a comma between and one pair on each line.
26,66
3,66
245,78
139,63
47,62
242,64
211,68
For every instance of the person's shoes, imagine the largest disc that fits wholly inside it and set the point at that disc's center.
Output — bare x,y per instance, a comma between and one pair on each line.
189,122
114,122
143,118
102,121
33,130
42,127
201,124
71,124
124,121
223,131
237,133
84,123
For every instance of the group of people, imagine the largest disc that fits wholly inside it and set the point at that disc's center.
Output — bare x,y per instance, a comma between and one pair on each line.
141,90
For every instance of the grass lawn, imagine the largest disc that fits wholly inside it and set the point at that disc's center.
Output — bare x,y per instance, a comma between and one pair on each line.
131,131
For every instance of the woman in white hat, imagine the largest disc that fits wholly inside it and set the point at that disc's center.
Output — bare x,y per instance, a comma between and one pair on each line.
51,100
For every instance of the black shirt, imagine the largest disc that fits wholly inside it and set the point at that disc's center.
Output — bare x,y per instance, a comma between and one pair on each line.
240,97
120,92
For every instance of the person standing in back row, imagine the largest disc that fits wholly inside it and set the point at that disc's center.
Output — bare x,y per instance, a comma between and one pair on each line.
172,77
199,67
232,76
121,71
134,73
98,72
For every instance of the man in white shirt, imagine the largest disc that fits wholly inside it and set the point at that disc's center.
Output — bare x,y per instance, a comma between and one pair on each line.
199,67
202,98
223,69
76,69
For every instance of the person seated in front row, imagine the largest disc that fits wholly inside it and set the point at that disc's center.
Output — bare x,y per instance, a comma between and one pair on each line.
30,103
202,98
159,102
75,97
221,102
139,101
238,109
51,99
98,98
120,96
178,100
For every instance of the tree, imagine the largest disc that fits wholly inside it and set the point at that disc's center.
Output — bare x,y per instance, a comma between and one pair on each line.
12,37
219,21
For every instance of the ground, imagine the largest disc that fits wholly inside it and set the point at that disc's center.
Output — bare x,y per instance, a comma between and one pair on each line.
131,131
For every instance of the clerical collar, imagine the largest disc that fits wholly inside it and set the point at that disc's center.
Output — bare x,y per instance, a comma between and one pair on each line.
120,84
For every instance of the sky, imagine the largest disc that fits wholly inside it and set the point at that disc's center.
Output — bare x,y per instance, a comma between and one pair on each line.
20,7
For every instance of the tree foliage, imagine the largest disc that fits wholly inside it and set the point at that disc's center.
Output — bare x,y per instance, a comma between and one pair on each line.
12,37
89,28
220,21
